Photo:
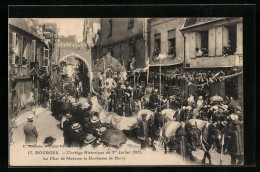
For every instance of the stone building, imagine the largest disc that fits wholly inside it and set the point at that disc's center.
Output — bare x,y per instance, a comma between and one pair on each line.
215,45
123,38
165,52
28,62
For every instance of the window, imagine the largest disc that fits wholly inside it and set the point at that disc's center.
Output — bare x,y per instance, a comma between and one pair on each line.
202,44
46,57
111,51
231,46
132,50
157,41
157,44
25,52
204,39
172,43
109,28
131,23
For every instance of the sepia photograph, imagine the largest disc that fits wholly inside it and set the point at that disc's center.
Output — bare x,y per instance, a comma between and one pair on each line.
126,91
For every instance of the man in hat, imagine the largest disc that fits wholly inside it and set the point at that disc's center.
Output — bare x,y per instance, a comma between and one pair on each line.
143,131
235,144
76,136
126,104
90,141
93,126
154,100
211,136
30,132
138,94
66,129
112,102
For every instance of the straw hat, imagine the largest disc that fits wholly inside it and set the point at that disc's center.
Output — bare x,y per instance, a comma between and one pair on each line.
102,130
215,107
189,107
76,126
94,119
68,115
200,98
89,138
30,118
233,117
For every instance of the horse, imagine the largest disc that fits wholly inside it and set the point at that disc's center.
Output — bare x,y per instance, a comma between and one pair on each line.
181,136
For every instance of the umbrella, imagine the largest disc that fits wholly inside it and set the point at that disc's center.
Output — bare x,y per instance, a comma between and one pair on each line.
235,104
114,137
145,111
169,113
169,129
216,98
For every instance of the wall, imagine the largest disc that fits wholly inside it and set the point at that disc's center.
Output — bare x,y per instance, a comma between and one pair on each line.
119,42
22,83
163,25
119,29
218,37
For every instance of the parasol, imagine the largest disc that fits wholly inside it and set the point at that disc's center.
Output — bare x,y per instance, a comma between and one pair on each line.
235,104
216,98
169,129
145,111
114,137
169,113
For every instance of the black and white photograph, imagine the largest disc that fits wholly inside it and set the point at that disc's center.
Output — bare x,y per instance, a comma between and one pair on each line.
126,91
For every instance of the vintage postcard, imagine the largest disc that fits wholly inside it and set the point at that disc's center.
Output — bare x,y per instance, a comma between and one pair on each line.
125,91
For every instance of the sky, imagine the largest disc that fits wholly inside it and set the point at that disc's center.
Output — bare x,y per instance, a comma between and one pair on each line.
67,26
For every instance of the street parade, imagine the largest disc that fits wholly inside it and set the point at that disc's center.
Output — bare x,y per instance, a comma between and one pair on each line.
100,97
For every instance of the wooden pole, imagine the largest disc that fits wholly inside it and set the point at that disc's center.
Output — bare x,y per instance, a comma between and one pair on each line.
147,76
160,80
222,144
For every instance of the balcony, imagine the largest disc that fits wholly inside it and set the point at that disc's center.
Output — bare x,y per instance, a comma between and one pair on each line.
215,61
167,61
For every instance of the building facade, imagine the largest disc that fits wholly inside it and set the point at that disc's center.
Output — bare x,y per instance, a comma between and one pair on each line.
123,39
165,52
212,46
28,63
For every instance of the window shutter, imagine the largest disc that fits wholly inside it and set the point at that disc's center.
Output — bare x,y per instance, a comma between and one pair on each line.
33,51
13,47
171,34
157,36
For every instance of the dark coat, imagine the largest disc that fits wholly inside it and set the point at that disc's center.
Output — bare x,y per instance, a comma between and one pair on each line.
154,100
76,138
31,134
236,144
119,93
143,131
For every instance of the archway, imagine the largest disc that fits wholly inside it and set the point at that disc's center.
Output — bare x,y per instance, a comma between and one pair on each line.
88,66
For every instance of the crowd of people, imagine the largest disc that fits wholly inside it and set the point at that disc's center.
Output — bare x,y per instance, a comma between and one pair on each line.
82,127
